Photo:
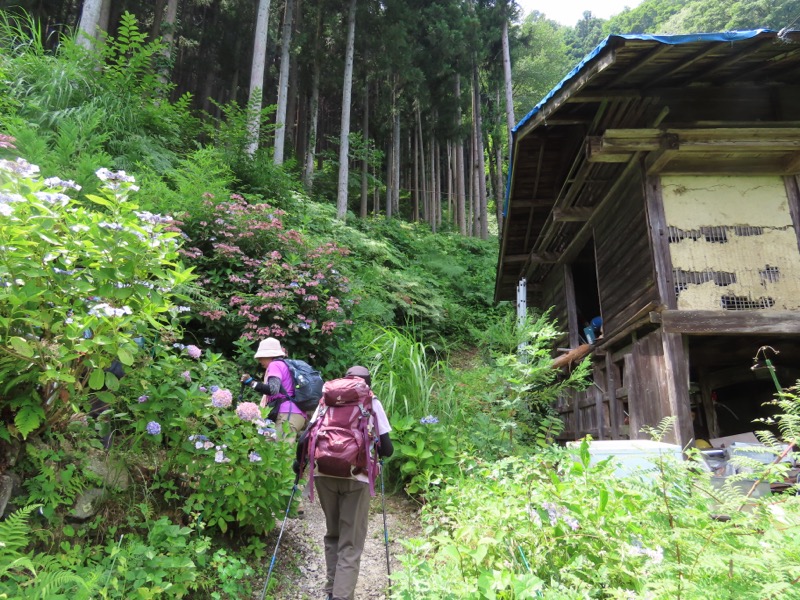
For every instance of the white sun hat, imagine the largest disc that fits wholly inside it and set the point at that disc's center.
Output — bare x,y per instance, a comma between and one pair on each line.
269,348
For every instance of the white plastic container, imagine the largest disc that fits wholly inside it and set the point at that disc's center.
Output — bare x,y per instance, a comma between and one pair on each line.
632,457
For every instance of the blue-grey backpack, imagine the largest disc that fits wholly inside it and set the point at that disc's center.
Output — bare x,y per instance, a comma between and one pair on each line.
307,384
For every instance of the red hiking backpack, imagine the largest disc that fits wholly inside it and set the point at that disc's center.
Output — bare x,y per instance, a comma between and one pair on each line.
342,440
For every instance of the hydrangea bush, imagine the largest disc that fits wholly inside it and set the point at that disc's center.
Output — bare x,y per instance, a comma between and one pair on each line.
263,279
218,461
84,283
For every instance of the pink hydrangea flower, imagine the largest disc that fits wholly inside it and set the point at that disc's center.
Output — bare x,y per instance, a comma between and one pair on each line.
187,376
193,351
248,411
222,398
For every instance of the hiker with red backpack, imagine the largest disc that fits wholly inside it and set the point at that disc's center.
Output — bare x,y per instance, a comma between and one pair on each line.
347,434
278,389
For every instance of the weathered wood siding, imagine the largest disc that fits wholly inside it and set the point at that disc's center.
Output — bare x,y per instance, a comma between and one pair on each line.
658,385
625,275
553,295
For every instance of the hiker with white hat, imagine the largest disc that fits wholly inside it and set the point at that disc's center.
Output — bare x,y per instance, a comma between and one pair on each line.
278,389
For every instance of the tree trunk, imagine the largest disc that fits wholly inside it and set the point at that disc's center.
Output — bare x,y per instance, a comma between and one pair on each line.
415,181
283,86
292,112
396,159
347,89
158,16
499,191
90,20
450,174
433,195
257,76
479,155
365,160
507,76
423,191
313,117
390,175
105,15
459,149
168,37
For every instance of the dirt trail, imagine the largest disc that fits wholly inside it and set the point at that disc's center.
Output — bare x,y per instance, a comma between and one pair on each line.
300,567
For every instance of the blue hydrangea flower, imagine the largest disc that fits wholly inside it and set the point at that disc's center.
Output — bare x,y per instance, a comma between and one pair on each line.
429,420
153,428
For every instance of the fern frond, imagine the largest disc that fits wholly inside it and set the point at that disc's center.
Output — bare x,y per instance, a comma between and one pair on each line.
14,531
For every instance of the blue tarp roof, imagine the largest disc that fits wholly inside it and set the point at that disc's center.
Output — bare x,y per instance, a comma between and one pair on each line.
728,36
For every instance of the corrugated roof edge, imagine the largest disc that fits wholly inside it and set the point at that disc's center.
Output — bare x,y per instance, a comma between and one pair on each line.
727,36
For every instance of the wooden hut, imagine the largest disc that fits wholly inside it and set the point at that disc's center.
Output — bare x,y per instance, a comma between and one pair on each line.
656,187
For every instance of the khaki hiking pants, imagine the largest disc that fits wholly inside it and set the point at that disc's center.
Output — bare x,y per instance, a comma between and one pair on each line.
345,503
296,424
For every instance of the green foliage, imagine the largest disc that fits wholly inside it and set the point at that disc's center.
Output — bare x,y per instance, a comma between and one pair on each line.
227,470
202,175
524,384
71,116
558,526
426,453
402,377
56,482
541,61
79,286
154,559
33,575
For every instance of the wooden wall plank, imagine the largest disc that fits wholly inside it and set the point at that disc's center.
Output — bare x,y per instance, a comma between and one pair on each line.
612,377
626,281
659,241
793,195
715,322
572,309
676,386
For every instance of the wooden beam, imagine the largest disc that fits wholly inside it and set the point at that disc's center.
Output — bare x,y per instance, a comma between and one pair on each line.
640,319
515,258
659,241
580,239
578,214
599,64
617,145
554,122
719,322
745,50
645,61
793,196
676,380
543,258
688,62
535,203
792,166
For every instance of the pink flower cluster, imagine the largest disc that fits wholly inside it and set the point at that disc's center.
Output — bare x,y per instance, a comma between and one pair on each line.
248,411
222,398
193,351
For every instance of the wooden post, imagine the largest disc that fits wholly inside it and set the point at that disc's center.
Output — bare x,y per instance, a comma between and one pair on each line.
659,241
793,195
611,391
600,396
572,309
676,386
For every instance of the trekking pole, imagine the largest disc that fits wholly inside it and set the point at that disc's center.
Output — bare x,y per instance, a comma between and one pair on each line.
241,395
280,535
385,529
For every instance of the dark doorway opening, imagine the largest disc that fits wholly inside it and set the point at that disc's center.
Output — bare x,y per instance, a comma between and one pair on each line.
587,296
